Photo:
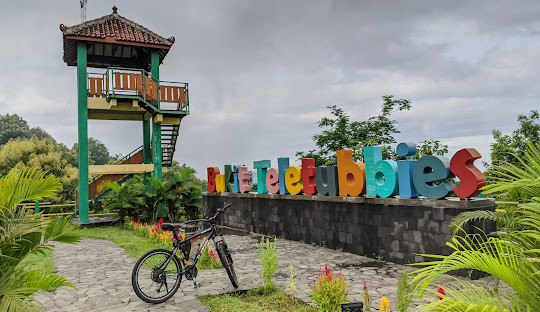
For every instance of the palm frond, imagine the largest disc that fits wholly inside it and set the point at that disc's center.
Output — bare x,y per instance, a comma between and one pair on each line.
27,185
502,259
457,224
465,296
17,286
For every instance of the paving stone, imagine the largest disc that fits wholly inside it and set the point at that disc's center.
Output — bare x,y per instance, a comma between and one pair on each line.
101,271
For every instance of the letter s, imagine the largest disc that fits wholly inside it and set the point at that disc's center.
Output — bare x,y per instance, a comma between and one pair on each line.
472,179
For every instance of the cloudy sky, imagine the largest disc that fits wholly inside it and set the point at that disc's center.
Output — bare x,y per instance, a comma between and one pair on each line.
261,73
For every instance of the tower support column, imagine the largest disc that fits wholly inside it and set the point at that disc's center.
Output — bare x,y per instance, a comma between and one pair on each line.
147,154
157,156
82,131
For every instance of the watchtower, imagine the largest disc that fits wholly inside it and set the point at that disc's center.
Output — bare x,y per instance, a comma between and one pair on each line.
124,85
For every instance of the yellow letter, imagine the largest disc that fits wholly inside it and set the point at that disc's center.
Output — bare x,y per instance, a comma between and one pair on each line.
293,180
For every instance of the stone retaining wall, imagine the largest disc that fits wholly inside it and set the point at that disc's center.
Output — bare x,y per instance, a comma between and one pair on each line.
395,229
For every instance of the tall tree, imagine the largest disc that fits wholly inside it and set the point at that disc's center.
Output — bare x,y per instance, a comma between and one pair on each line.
98,153
341,133
43,155
15,127
509,148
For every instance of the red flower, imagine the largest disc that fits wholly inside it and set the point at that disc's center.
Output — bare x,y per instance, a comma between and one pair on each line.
365,286
138,221
213,255
441,291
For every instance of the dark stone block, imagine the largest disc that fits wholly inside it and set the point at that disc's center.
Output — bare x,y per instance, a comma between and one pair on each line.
438,213
377,220
434,227
394,228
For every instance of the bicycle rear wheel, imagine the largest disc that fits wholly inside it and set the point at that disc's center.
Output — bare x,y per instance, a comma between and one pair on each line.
226,261
157,276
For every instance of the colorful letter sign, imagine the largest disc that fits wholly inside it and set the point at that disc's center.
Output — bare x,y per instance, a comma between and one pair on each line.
431,169
471,178
381,175
212,172
405,170
272,181
243,179
261,166
308,176
409,178
327,180
351,175
293,180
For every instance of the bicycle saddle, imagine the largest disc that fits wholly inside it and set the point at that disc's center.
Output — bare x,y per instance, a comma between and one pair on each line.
170,227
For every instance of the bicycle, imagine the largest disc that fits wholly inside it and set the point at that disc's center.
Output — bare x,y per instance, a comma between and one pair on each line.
162,268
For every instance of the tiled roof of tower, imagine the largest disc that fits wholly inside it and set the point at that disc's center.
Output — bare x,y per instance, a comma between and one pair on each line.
117,27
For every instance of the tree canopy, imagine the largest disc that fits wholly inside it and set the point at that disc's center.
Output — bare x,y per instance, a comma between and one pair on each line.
15,127
509,148
342,133
44,156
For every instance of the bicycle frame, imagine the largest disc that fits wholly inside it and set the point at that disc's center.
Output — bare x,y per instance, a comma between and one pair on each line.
178,244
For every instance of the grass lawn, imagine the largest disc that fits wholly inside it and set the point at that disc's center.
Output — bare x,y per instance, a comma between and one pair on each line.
255,300
133,244
41,262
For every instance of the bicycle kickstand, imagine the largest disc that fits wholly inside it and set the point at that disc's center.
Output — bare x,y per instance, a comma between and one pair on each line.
195,283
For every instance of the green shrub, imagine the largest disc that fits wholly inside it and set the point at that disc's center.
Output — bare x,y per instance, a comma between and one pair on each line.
329,291
268,253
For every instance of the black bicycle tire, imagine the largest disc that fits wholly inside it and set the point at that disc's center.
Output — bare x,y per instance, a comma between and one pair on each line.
222,252
136,268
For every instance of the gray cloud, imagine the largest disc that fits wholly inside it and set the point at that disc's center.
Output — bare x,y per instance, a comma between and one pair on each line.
262,72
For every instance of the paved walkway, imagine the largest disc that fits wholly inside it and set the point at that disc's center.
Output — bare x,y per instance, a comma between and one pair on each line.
101,270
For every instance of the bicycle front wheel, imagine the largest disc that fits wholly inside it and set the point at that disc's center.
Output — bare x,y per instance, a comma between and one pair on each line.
157,276
226,261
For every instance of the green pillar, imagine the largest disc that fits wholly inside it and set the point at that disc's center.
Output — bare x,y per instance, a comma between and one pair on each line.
36,209
156,134
156,127
147,154
83,132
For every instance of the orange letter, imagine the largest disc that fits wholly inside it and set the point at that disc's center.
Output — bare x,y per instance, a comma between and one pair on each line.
351,175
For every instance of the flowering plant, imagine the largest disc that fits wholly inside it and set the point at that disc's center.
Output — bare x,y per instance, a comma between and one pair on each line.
209,259
385,305
329,290
367,296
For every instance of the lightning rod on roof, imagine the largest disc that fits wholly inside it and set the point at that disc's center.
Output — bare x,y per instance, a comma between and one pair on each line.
83,10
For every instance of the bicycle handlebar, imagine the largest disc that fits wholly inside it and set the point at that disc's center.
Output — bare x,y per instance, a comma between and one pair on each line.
210,219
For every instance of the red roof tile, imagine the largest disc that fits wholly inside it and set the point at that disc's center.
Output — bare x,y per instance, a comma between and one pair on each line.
117,27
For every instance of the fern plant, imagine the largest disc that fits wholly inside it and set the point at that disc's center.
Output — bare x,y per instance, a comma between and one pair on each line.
22,233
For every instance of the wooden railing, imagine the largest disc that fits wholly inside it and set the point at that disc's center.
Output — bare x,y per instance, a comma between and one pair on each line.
118,82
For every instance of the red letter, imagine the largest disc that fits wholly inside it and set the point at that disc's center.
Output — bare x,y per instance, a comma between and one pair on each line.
308,176
472,179
212,172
